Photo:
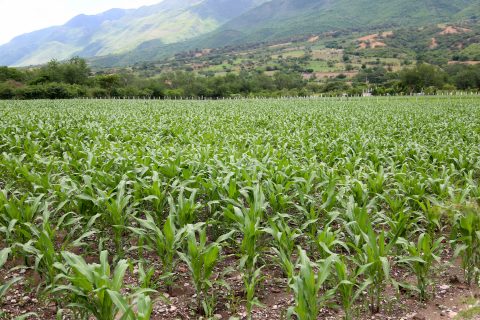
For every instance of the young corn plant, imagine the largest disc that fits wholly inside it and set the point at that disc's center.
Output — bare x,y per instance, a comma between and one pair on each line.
118,213
420,259
248,223
156,195
431,216
201,258
185,209
43,249
306,286
16,215
466,239
327,240
251,281
278,195
164,242
350,286
284,242
313,214
374,249
140,308
94,291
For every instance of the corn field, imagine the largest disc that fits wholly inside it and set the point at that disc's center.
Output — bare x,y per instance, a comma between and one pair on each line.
113,206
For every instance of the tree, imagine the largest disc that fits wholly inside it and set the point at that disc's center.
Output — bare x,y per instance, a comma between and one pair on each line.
422,77
75,71
109,83
7,73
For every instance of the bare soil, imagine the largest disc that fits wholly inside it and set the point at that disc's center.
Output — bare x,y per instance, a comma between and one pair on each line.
449,296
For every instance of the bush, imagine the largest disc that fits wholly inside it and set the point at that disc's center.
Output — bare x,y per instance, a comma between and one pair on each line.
6,91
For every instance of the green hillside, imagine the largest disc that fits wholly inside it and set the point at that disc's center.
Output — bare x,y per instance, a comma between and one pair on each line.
151,33
119,31
281,19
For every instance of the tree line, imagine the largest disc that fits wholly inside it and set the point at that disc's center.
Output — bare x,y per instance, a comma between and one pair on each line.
74,79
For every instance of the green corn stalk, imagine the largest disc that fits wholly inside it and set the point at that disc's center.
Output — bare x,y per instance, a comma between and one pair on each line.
16,215
43,246
284,242
431,215
140,309
350,287
420,259
373,249
118,213
201,258
376,182
306,286
165,242
94,290
145,276
395,201
185,209
156,194
278,195
250,282
313,214
466,240
248,223
327,240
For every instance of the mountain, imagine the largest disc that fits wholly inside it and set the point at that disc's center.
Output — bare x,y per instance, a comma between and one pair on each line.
122,37
118,31
280,19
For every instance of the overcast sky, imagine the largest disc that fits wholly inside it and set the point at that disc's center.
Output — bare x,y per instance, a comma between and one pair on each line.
22,16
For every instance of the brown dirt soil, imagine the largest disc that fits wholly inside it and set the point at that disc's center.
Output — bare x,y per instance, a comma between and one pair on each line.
464,62
449,296
453,30
373,40
377,44
369,37
322,75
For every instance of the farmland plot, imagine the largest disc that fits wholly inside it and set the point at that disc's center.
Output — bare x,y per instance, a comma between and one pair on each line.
264,209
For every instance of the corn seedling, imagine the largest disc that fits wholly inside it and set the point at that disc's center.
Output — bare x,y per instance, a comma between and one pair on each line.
284,242
184,209
420,258
350,286
95,291
165,242
248,223
466,235
306,286
118,213
201,258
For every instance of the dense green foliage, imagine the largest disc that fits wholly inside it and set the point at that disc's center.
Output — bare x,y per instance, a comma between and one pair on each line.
350,188
73,79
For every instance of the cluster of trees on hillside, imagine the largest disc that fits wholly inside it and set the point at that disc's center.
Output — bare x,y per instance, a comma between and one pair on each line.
423,78
74,79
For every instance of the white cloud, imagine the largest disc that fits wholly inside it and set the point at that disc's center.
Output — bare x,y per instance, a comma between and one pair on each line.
22,16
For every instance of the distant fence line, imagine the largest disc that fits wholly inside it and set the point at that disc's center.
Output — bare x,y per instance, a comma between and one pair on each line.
313,97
